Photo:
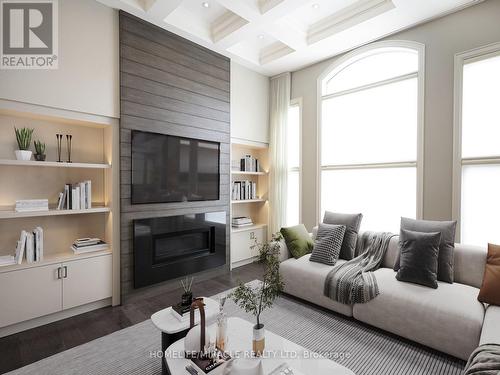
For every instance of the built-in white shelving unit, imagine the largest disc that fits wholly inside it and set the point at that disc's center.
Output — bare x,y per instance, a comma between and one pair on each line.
243,238
54,164
64,283
11,214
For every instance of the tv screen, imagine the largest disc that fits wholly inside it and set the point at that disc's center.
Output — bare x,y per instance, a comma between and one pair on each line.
166,169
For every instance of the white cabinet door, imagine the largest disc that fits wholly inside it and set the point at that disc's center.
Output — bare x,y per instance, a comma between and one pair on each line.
242,242
29,293
87,280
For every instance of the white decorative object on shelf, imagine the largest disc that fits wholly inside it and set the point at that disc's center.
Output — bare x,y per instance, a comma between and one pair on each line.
23,154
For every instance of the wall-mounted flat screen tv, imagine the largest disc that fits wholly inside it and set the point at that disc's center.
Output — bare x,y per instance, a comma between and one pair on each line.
167,169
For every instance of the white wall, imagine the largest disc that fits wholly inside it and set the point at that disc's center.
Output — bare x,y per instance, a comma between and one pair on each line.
87,79
249,104
470,28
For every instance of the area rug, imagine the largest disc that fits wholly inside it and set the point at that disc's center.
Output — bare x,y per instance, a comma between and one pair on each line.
364,350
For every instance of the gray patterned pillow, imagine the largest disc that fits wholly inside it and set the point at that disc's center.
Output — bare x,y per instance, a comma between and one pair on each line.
327,244
351,223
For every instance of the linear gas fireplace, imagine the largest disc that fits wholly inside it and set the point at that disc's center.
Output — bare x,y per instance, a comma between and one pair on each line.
174,246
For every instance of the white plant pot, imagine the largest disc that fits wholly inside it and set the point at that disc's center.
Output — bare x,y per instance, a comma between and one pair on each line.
23,154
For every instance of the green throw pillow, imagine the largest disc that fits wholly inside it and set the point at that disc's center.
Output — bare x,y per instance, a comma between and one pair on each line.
297,240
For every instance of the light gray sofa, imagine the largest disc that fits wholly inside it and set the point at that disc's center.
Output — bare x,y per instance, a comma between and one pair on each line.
449,319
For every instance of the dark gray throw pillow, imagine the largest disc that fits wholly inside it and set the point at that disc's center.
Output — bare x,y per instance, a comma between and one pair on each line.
446,246
351,223
327,244
419,257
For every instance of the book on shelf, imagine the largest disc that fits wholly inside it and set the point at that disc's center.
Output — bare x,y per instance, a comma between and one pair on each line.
30,246
240,222
29,205
88,245
76,196
243,190
249,164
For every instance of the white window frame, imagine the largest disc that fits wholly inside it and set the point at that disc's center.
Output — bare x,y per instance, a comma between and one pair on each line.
297,102
476,54
419,163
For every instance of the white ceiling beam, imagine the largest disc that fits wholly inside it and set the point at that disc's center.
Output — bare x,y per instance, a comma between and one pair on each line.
160,9
225,25
354,14
274,52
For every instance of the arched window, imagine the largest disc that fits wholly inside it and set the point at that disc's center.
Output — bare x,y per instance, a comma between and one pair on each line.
370,134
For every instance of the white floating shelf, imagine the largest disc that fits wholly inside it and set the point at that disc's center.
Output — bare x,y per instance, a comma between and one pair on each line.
54,258
10,214
249,173
248,228
249,201
33,163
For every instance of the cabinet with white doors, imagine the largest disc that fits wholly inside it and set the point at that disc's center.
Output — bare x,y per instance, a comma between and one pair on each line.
48,288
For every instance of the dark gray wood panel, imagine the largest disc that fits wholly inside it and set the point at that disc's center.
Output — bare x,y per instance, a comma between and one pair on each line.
163,89
144,70
169,61
142,96
169,85
183,46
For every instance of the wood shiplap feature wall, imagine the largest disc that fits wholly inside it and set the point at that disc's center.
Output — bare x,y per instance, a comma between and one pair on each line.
169,85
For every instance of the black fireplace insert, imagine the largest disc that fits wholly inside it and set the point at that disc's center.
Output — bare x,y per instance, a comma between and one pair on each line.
169,247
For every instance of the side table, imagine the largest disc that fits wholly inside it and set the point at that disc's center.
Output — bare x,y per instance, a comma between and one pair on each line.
173,329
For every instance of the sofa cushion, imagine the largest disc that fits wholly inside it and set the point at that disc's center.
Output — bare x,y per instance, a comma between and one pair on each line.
490,288
491,326
297,240
469,264
448,319
351,223
327,244
306,280
419,257
446,247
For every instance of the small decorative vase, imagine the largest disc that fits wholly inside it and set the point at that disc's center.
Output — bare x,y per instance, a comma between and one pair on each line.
221,333
187,299
39,157
23,154
259,339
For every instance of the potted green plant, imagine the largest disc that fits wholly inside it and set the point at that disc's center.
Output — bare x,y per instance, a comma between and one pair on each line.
23,137
256,299
40,151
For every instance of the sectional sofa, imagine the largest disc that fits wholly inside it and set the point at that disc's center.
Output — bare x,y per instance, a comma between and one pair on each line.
449,319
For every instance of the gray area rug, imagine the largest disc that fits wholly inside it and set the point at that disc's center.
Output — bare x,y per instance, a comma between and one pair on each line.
362,349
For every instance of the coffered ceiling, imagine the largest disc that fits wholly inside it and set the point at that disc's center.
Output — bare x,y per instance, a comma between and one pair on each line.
273,36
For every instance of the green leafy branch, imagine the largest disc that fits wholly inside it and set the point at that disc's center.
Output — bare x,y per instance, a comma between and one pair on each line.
255,300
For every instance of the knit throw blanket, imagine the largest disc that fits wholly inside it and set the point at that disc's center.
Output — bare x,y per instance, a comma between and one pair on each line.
354,281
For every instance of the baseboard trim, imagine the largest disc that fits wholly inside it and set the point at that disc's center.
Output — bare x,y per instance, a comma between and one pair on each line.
243,262
37,322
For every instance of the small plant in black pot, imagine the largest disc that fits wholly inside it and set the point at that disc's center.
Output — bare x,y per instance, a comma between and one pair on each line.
187,296
40,151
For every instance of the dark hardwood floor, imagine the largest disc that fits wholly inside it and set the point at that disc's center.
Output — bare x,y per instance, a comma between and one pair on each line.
32,345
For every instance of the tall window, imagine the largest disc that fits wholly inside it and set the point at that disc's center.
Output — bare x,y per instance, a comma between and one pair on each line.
369,135
477,146
294,152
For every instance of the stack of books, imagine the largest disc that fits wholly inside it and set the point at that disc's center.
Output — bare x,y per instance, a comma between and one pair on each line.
182,312
29,205
243,190
30,246
76,196
249,164
88,245
241,221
